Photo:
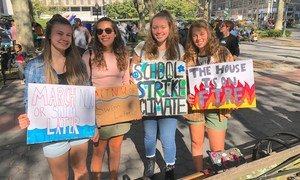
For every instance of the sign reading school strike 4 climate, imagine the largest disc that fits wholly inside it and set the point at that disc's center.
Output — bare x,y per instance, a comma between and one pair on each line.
223,85
162,87
60,112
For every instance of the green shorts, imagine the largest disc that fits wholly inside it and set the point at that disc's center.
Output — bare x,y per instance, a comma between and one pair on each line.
212,121
109,131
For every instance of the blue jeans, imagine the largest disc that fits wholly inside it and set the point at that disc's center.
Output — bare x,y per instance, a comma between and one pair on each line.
167,129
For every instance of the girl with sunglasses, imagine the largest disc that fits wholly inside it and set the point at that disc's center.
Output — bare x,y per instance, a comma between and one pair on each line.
204,48
162,44
108,66
59,63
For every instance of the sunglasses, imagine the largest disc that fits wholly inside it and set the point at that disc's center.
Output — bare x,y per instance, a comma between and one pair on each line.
107,31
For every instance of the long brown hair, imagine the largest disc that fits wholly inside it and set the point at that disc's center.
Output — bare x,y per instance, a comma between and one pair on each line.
212,46
119,48
151,44
75,68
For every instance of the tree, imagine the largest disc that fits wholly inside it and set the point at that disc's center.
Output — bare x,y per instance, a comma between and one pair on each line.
180,9
56,8
151,7
22,18
279,17
38,8
121,10
206,10
140,8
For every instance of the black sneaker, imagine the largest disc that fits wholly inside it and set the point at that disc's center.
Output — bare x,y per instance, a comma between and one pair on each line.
149,167
169,172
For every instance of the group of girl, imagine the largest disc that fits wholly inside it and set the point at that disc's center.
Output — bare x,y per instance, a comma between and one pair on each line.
108,65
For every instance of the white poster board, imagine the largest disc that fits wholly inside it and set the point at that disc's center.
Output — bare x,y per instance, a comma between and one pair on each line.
60,112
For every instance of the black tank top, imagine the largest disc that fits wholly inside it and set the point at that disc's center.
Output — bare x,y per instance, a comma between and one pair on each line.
62,78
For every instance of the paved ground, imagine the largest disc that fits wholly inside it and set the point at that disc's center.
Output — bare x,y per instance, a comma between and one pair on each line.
278,96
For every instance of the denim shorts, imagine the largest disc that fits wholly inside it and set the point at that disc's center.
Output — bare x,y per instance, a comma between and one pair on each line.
55,149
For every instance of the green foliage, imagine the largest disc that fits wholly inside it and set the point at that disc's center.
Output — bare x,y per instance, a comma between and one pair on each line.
120,10
263,33
180,9
288,33
42,22
56,8
274,33
38,7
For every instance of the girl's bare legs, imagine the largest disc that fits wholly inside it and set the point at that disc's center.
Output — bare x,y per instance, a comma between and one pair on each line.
97,157
197,140
78,155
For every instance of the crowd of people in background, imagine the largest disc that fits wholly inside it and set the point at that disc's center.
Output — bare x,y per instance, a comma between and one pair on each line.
106,63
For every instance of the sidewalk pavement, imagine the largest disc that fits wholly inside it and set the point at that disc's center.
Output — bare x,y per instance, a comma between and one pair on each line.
277,91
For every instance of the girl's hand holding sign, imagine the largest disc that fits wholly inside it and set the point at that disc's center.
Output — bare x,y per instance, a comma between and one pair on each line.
23,121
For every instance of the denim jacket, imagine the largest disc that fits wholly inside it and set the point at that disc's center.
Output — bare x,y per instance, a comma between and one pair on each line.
34,73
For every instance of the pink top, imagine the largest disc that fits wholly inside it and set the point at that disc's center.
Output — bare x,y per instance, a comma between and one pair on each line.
13,33
110,77
20,57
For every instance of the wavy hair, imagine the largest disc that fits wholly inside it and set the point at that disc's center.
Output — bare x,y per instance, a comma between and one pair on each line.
119,48
151,44
212,46
75,68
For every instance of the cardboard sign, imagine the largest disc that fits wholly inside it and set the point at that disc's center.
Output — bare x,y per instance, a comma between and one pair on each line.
118,104
162,87
60,112
223,85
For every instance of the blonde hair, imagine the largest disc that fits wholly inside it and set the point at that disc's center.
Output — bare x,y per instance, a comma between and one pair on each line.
151,44
75,68
212,46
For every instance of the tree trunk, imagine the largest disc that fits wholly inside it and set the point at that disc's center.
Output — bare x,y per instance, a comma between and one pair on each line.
140,7
206,10
279,17
151,6
22,19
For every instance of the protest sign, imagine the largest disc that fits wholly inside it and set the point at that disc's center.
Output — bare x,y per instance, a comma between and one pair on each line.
162,87
60,112
117,104
223,85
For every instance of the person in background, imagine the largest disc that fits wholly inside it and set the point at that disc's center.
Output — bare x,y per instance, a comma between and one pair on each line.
162,43
38,34
228,40
13,32
20,61
59,63
245,35
122,30
135,31
5,56
81,36
235,31
204,48
183,34
108,66
253,34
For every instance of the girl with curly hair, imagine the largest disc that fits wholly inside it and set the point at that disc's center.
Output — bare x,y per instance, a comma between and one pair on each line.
108,66
204,48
